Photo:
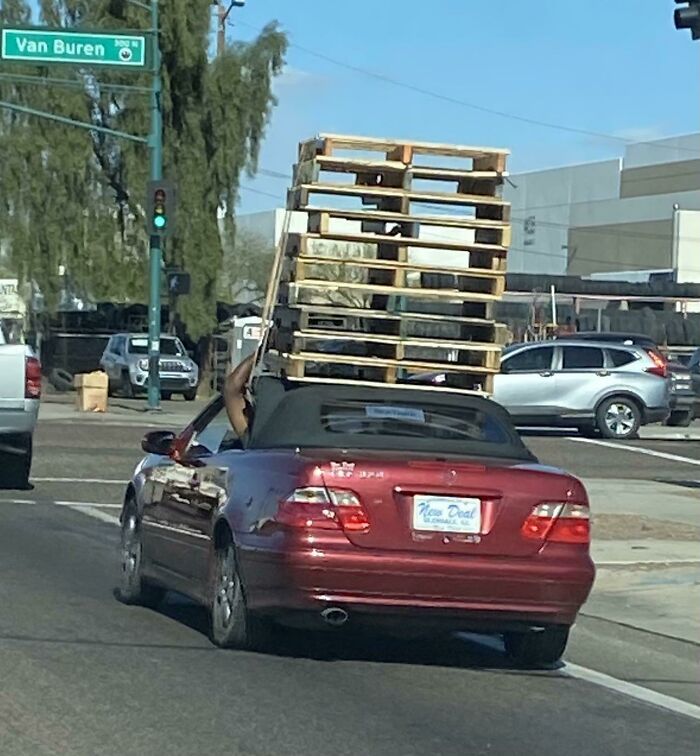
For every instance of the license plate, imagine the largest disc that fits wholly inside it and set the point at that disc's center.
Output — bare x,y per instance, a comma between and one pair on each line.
446,514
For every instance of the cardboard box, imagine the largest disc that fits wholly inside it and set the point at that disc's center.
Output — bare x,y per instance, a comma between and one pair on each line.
91,391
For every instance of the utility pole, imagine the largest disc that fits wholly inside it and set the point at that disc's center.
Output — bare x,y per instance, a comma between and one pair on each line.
155,144
221,31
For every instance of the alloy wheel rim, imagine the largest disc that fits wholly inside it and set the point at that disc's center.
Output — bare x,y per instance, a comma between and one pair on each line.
226,588
620,419
131,550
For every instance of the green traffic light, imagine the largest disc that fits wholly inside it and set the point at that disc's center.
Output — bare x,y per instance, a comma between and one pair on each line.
160,222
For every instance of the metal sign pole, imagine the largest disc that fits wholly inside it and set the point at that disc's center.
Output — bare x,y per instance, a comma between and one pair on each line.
155,249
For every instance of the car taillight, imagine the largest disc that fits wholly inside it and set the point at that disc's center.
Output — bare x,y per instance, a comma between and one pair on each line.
559,523
325,509
32,378
660,367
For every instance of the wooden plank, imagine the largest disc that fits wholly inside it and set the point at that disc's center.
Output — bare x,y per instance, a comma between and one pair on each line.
403,350
307,171
383,315
319,219
348,142
298,197
438,389
445,295
301,242
381,362
373,338
374,264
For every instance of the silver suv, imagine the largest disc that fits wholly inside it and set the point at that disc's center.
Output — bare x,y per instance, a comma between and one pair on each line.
612,387
125,360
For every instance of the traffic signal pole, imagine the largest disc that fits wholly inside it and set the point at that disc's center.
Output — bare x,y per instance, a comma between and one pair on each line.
155,245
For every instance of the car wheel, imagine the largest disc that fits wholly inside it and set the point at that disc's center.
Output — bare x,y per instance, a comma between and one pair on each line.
232,625
681,419
537,648
618,417
166,396
127,386
133,587
190,396
19,463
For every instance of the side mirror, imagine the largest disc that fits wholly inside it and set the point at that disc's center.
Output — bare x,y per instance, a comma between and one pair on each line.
158,442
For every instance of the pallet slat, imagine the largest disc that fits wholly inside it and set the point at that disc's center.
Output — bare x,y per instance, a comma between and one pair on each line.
302,243
298,197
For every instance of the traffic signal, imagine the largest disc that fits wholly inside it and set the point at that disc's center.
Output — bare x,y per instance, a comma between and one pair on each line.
688,17
179,283
161,208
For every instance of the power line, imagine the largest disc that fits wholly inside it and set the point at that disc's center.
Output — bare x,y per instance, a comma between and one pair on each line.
475,106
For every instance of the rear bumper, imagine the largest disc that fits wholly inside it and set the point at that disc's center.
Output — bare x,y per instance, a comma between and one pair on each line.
19,421
655,414
683,401
461,592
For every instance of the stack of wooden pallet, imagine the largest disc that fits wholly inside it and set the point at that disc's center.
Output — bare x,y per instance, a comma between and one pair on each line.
397,273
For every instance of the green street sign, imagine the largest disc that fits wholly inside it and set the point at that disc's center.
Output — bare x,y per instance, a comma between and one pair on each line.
86,48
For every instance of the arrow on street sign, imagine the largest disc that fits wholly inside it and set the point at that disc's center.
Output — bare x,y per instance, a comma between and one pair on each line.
50,46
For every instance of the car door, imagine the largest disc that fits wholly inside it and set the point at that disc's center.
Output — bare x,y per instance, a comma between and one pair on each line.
194,487
582,378
525,384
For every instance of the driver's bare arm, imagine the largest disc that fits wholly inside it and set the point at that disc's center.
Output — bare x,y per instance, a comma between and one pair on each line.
234,395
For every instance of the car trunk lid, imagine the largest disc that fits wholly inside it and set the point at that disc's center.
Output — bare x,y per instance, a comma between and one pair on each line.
447,505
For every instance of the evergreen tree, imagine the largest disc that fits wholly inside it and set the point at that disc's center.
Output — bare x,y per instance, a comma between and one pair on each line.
75,198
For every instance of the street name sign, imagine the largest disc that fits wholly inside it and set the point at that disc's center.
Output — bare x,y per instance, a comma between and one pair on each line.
85,48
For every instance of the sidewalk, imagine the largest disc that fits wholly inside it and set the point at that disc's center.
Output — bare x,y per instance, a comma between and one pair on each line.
646,546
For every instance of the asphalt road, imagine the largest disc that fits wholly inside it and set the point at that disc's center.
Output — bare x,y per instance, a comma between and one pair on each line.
82,674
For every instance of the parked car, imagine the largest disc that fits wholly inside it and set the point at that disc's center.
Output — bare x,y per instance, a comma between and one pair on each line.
20,392
613,388
682,398
125,360
415,512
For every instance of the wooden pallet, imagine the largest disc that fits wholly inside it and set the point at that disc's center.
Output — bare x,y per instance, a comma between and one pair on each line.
404,350
403,151
317,365
486,231
315,286
399,200
311,318
306,244
398,175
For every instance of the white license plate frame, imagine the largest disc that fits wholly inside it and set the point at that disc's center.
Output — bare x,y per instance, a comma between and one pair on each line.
446,514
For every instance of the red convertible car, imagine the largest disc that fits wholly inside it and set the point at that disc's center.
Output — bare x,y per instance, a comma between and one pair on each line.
406,510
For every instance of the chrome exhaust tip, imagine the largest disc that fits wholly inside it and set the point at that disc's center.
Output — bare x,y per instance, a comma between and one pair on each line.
334,616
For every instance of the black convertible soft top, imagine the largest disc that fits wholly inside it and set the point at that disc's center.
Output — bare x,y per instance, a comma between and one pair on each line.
291,415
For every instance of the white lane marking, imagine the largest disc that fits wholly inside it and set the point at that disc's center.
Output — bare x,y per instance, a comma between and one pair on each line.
642,562
605,681
636,449
101,481
52,502
633,691
94,512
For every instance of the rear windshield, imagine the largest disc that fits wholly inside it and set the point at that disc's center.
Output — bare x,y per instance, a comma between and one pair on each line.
170,347
384,419
423,421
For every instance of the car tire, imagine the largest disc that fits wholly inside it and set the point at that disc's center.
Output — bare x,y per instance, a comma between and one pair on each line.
166,396
133,587
61,380
19,463
681,418
618,417
127,386
537,648
232,624
190,396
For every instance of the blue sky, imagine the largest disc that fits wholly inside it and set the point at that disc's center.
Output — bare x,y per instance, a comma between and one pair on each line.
615,67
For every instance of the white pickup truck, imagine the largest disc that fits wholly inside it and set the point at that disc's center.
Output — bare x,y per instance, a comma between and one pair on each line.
20,392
